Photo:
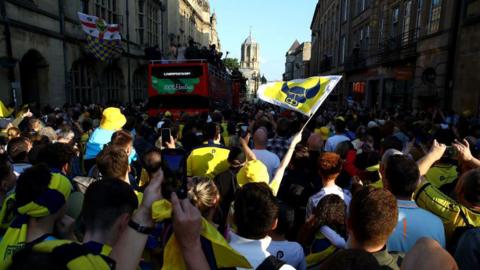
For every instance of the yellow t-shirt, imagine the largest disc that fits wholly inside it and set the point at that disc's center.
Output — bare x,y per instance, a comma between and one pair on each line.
207,160
452,213
442,174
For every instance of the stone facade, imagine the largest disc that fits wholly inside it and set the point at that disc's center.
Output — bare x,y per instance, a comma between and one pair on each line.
45,59
399,53
250,65
191,20
297,65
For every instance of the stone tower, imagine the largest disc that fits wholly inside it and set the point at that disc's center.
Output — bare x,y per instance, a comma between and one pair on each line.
250,65
250,54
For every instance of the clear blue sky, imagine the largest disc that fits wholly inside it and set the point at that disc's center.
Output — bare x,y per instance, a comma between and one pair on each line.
275,23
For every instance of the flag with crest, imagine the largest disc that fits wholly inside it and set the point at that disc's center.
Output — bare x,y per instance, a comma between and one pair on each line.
304,96
103,40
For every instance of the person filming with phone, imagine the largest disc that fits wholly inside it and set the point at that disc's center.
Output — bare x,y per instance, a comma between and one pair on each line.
211,158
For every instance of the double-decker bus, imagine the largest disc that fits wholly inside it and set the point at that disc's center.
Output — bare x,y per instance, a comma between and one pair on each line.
190,86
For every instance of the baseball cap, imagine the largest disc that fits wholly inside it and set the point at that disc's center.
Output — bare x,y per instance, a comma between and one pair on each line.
253,172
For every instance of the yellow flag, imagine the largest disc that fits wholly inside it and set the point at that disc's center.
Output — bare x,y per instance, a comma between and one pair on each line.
304,96
4,110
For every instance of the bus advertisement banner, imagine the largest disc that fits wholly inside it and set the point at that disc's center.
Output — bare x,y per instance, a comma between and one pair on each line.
178,79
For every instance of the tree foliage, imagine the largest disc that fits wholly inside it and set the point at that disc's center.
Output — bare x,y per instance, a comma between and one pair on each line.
232,63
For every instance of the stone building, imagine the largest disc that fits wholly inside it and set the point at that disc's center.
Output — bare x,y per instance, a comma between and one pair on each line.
399,53
43,54
191,20
290,61
297,65
250,65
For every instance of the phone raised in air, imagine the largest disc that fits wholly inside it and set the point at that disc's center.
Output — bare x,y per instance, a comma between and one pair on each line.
174,166
166,133
243,131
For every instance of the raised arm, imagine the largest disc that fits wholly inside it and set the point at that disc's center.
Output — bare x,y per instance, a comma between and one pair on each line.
277,179
128,250
465,155
187,227
435,153
249,154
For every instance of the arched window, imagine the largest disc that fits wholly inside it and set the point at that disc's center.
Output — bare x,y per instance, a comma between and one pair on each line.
82,82
140,84
113,84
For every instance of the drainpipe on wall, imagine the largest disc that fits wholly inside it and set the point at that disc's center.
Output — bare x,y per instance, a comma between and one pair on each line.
8,40
61,14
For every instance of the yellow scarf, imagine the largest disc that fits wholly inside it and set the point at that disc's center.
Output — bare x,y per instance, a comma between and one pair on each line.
225,256
45,204
73,255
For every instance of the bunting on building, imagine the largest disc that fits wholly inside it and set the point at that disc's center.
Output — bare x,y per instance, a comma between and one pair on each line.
103,40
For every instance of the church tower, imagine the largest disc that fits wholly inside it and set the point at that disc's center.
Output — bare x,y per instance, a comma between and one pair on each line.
250,65
250,54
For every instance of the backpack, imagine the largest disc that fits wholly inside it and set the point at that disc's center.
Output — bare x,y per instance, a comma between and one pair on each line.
271,263
458,232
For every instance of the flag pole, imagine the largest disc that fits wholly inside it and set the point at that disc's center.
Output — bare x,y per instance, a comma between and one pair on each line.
308,121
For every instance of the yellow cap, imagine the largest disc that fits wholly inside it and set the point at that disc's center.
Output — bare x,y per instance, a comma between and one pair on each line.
253,172
168,114
112,119
324,132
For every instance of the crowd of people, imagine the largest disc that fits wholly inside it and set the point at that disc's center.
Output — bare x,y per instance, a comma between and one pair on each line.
90,187
194,51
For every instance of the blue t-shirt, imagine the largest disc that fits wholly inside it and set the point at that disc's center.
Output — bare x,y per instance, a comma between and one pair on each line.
414,223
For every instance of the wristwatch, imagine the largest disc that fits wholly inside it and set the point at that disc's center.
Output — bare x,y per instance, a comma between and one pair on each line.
139,228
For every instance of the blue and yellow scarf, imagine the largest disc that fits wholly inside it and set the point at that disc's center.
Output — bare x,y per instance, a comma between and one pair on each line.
52,200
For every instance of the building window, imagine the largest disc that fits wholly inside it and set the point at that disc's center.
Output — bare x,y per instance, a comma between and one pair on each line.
435,15
84,6
343,49
82,83
381,35
141,21
152,23
406,20
345,10
139,85
113,84
472,9
107,10
395,19
419,16
367,38
362,5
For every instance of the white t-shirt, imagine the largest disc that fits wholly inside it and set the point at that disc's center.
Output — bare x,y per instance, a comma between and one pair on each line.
289,252
270,160
314,199
255,251
333,141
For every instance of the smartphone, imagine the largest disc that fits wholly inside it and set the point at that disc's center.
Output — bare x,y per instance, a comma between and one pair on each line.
174,166
451,152
166,133
243,131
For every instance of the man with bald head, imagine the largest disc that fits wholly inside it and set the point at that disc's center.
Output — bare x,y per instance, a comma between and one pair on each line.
270,159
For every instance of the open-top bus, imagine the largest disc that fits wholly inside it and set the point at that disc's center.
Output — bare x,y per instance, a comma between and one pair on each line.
191,86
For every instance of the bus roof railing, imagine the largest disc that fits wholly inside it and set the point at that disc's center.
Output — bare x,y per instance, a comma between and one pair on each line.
178,61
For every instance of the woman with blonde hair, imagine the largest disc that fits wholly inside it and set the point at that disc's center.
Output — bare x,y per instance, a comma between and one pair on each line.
205,196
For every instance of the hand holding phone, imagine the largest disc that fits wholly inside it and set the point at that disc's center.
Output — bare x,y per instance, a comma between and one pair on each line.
166,133
174,166
243,131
